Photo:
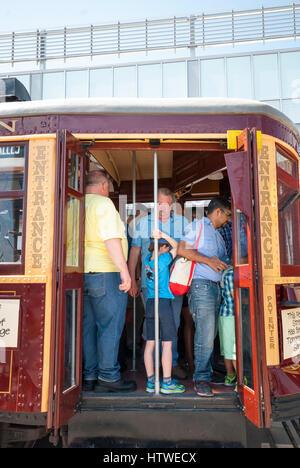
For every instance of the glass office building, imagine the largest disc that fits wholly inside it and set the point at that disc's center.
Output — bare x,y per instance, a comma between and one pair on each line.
264,66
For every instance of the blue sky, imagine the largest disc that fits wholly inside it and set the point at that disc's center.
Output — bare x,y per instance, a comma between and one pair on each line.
18,15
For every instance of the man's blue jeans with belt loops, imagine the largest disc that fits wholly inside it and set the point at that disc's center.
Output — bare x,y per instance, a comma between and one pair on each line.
104,312
204,302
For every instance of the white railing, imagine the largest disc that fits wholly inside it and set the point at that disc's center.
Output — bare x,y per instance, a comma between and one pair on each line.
262,24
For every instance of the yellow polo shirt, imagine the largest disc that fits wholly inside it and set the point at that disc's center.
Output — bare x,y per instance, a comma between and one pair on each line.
102,222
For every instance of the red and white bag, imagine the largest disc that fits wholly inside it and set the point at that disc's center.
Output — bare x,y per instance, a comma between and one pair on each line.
182,272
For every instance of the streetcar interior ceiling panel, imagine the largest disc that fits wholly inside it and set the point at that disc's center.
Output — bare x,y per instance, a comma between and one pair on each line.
196,174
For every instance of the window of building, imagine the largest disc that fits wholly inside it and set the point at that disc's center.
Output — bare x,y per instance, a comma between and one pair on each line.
77,84
291,108
53,85
174,80
265,76
125,82
239,77
36,86
290,74
149,81
212,78
101,82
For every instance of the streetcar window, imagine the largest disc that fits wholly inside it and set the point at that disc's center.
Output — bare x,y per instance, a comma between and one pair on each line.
70,339
289,222
12,165
288,210
74,176
245,323
241,236
73,228
12,161
286,164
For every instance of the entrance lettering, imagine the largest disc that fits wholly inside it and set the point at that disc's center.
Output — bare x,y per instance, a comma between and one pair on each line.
265,201
11,128
38,202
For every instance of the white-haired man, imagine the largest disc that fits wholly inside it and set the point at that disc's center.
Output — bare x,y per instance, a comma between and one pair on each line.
172,224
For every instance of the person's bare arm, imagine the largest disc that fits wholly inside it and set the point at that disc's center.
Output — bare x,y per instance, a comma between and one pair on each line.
162,235
115,251
186,250
134,258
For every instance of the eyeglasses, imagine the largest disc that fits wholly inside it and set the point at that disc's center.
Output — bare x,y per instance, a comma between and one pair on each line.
227,213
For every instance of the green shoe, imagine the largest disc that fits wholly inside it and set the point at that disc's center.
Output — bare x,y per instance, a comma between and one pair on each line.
150,388
230,381
173,387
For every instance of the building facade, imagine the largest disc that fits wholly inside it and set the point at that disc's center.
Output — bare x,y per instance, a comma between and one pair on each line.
251,54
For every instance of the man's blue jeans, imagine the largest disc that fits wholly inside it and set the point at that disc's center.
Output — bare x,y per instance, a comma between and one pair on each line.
104,311
204,302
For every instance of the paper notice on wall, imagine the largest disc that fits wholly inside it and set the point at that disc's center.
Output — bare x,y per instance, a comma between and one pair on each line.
297,293
9,322
291,332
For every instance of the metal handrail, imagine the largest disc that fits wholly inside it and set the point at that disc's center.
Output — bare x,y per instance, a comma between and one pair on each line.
233,27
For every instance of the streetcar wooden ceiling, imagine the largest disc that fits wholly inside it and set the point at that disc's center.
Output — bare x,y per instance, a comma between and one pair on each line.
118,163
181,167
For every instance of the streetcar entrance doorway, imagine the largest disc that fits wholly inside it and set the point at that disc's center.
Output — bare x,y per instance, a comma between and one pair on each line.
195,171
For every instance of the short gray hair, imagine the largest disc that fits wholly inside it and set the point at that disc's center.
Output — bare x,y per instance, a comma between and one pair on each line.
167,192
96,177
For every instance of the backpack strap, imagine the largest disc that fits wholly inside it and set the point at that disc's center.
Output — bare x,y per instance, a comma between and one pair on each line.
200,232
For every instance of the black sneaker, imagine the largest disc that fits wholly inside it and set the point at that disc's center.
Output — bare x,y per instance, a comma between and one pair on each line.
203,389
179,373
88,385
120,386
217,379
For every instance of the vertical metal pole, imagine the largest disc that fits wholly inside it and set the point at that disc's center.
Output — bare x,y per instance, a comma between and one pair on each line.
155,187
73,320
134,225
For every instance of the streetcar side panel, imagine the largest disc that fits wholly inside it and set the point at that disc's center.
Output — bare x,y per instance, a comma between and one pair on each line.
24,376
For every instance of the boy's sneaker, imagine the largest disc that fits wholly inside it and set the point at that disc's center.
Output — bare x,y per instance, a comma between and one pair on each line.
173,387
230,381
150,387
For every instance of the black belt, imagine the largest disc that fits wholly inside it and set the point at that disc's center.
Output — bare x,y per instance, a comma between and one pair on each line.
203,279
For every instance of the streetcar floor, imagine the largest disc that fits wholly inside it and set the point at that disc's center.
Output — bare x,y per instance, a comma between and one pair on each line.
140,378
138,374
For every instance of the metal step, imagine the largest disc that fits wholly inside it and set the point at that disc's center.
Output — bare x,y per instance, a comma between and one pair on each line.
136,401
292,429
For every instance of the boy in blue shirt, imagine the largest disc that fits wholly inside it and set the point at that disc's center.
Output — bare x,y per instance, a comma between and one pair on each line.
167,250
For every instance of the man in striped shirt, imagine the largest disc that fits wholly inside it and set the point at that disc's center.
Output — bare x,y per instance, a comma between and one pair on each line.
227,326
205,293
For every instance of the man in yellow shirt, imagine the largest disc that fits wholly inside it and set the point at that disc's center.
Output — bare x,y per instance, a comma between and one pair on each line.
106,283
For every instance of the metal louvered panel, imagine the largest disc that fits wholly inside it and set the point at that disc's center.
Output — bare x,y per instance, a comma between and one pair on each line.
233,27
